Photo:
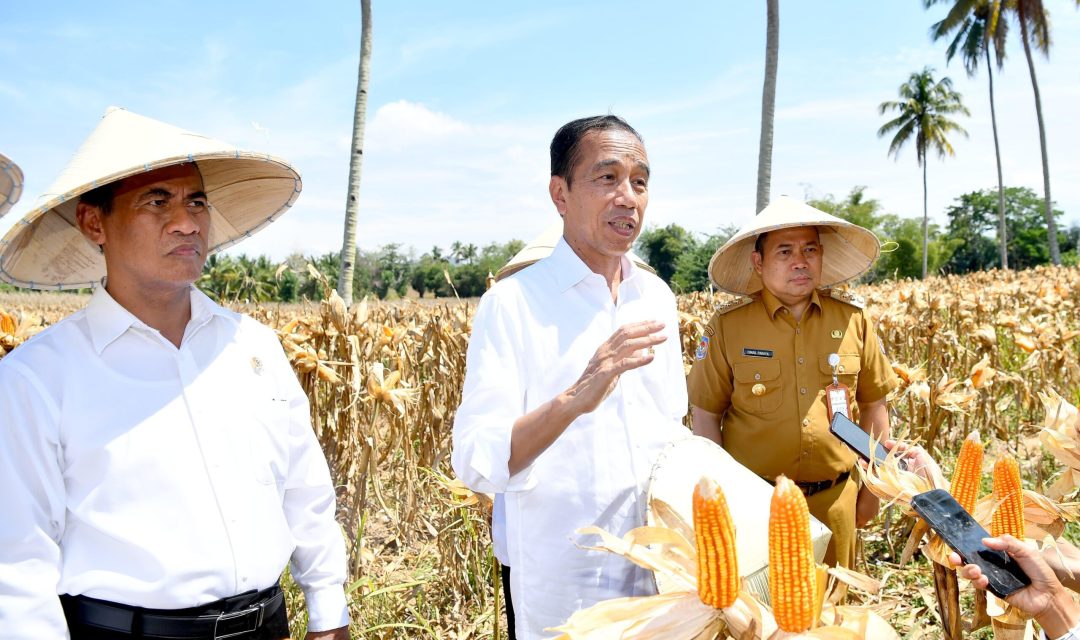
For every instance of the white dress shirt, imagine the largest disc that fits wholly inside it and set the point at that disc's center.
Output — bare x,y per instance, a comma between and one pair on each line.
144,474
532,337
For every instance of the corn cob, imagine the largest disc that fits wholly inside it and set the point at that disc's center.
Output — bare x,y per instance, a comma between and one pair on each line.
968,472
1009,515
7,323
792,576
714,533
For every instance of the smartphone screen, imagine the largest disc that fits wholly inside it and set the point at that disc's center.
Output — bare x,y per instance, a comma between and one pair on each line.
853,436
964,535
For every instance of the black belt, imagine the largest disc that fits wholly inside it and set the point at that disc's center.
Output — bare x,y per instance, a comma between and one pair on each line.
232,617
810,488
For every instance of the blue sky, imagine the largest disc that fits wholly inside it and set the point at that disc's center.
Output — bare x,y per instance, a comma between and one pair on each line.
466,95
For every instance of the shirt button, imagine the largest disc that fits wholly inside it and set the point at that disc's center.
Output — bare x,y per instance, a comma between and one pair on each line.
803,391
806,422
801,360
757,376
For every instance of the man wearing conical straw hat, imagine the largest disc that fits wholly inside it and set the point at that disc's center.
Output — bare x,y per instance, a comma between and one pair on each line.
11,184
158,463
767,359
574,384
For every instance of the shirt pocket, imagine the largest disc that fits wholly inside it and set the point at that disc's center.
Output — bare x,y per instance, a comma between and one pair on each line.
758,386
847,371
268,440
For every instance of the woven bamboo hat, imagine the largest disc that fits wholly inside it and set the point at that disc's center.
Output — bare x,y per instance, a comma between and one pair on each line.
246,191
11,184
848,250
541,247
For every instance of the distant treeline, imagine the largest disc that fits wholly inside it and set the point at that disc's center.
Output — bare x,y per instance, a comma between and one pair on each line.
968,243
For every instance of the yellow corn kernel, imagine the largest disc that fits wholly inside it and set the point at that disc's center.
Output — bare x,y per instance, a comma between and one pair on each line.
792,579
968,472
7,323
1009,516
714,533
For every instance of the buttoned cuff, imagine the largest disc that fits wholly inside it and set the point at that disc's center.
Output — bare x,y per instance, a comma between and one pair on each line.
327,608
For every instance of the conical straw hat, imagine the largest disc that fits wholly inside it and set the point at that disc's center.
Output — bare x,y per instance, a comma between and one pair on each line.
246,191
11,184
848,250
541,247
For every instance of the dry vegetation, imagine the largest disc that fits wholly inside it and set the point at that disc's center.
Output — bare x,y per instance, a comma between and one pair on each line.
384,380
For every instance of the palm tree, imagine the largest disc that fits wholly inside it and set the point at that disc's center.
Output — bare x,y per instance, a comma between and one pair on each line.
924,109
348,245
979,26
1035,29
768,103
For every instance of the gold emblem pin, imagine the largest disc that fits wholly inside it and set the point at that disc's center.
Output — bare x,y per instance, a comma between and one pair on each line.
256,364
836,333
758,389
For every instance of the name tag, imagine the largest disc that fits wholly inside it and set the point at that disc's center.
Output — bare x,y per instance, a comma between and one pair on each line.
757,353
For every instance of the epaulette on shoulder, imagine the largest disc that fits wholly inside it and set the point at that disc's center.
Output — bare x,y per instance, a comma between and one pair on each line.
733,304
848,297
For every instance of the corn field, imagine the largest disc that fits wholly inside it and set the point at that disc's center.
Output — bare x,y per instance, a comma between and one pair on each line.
383,380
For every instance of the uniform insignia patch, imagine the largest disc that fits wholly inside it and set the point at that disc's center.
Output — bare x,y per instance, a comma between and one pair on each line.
836,333
757,353
702,348
853,299
733,304
709,330
256,364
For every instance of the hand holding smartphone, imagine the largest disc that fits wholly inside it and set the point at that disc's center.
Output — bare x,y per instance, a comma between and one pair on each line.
964,535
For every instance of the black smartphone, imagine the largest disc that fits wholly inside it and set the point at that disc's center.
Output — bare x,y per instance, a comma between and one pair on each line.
853,436
964,535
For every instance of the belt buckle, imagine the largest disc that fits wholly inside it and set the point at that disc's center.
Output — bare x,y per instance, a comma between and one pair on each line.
254,614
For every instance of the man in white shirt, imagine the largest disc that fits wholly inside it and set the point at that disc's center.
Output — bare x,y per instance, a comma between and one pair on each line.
574,384
158,463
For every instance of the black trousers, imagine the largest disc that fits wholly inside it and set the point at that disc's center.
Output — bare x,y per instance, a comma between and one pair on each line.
275,624
505,573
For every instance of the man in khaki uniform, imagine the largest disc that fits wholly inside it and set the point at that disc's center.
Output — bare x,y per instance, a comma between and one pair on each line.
758,382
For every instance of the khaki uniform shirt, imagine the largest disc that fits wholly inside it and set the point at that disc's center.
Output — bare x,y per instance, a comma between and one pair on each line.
784,429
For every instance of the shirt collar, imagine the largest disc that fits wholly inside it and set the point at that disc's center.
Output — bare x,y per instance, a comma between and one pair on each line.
772,304
570,269
108,320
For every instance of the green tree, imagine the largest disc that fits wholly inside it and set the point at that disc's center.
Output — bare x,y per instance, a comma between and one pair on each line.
979,26
856,208
662,246
924,112
768,102
904,260
356,157
971,217
692,266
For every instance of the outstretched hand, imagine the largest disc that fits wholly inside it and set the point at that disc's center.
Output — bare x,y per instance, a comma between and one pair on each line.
630,347
1045,598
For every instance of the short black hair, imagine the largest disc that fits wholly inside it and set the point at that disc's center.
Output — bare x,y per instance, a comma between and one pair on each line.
566,144
102,197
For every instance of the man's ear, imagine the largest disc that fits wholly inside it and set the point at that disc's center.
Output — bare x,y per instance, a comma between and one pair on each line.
88,218
557,188
755,258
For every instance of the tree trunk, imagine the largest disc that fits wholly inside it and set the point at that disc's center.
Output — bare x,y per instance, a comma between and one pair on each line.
925,216
768,104
1051,226
348,244
1002,231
